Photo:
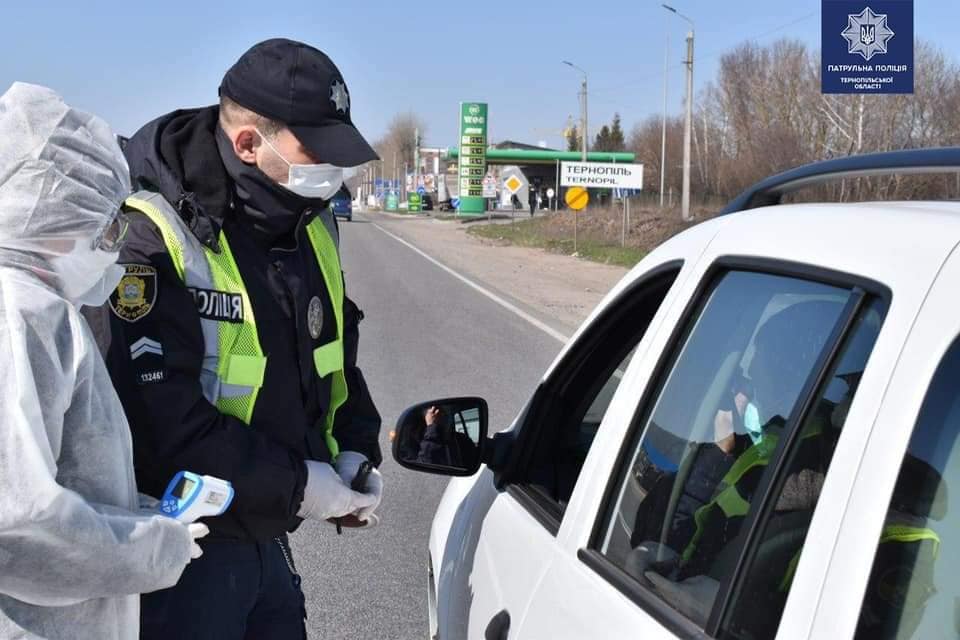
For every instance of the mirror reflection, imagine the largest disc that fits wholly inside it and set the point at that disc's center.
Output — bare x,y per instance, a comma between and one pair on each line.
444,434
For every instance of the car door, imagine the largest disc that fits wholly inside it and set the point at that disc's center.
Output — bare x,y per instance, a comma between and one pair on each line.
692,514
893,572
501,547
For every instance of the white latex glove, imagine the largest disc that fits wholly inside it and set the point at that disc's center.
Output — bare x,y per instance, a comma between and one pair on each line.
326,496
347,464
197,530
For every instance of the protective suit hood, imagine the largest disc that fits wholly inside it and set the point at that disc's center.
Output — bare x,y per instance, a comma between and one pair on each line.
62,179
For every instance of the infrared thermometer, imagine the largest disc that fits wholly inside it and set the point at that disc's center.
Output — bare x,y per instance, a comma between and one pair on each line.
190,496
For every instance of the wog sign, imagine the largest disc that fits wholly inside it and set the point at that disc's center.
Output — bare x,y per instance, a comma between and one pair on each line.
867,46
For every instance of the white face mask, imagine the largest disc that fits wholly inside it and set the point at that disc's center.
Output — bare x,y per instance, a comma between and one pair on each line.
100,292
87,276
320,181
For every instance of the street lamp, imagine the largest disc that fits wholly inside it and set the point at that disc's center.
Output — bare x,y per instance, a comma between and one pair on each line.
688,124
583,109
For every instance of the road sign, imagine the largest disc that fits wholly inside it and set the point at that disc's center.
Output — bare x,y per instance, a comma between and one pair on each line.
392,200
550,193
513,184
601,175
455,203
472,160
577,198
421,190
489,187
413,202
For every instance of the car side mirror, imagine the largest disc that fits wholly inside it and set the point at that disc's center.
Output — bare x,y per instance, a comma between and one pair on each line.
445,437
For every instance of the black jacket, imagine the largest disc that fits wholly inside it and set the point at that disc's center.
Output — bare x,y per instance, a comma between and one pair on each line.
174,427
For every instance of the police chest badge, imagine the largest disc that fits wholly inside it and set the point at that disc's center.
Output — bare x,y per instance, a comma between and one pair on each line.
315,317
136,294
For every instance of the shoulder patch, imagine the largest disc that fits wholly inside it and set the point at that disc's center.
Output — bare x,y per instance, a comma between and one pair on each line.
136,294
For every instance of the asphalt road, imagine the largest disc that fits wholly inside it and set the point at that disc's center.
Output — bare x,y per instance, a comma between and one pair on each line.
426,335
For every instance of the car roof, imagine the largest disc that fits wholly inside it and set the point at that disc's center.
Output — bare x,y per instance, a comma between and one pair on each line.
898,244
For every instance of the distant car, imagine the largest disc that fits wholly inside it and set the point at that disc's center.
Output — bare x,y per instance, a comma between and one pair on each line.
672,475
426,203
342,204
446,205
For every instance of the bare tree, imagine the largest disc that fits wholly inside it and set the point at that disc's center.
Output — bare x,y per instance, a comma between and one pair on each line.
764,113
396,147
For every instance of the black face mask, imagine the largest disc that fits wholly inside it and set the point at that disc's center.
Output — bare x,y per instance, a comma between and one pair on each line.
268,207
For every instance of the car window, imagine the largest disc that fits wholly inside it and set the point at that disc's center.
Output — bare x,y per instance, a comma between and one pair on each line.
761,594
708,441
467,422
914,586
574,402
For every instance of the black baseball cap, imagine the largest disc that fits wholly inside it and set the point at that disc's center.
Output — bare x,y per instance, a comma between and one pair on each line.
299,86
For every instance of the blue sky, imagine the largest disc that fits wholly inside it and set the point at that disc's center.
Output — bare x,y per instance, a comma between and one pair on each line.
129,62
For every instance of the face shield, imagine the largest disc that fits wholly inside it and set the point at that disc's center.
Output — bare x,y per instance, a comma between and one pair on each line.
63,180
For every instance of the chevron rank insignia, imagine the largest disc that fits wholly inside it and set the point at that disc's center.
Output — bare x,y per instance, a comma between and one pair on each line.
146,354
136,294
145,346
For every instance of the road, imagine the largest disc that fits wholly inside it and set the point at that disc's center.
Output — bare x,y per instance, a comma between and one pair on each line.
426,335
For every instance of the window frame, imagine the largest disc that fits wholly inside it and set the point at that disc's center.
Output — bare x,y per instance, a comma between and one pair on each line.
513,478
862,291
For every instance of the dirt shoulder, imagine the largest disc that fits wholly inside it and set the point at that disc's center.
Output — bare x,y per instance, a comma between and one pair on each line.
556,287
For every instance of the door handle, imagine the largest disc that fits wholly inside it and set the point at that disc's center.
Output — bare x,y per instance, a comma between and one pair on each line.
499,626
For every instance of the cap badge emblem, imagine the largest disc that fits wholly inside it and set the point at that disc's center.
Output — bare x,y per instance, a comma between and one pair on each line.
339,96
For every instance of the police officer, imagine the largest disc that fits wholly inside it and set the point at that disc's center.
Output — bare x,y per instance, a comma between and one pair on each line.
233,344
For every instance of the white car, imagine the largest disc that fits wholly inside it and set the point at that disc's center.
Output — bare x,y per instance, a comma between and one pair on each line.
754,435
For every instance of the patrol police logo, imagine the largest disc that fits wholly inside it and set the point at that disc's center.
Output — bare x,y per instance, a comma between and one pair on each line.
867,33
339,96
136,294
315,317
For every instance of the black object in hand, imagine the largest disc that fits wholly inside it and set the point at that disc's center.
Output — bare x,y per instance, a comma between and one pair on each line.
359,484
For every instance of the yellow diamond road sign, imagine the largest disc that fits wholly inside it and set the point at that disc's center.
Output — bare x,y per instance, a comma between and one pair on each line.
513,184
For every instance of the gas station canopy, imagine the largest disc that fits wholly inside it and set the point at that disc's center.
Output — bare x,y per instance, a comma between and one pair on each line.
545,156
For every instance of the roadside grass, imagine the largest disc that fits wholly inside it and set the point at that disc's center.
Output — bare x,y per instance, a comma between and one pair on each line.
599,232
541,233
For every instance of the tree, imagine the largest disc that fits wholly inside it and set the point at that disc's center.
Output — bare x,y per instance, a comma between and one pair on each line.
602,143
610,138
398,144
573,138
617,142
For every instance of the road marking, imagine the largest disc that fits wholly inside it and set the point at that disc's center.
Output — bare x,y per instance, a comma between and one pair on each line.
489,294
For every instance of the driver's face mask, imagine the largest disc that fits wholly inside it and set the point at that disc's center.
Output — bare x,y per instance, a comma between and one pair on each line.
320,181
751,422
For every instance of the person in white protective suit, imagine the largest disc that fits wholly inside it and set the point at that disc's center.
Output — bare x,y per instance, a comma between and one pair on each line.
75,548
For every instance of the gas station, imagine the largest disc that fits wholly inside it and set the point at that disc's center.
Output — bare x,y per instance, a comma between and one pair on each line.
474,177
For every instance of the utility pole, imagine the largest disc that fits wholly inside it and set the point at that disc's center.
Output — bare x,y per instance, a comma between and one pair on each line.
688,121
687,129
663,126
584,138
583,111
416,158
